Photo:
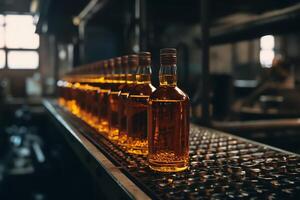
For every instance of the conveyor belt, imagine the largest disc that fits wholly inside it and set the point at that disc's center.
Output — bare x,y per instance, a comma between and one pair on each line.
222,166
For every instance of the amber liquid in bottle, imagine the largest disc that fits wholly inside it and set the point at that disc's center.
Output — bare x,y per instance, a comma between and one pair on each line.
102,100
73,103
132,62
93,80
85,100
63,92
60,88
113,99
137,104
68,93
168,120
90,105
94,96
86,82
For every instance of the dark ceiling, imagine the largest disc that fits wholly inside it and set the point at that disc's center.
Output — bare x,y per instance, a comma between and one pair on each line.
166,10
173,10
22,6
58,14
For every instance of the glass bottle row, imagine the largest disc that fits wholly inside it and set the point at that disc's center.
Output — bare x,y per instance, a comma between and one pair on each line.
116,97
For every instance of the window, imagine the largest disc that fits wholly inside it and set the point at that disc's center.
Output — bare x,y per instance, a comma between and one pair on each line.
23,60
2,58
18,42
267,53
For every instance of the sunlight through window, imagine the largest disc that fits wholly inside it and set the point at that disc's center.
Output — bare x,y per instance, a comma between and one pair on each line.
2,58
17,32
1,36
23,60
1,31
1,19
20,32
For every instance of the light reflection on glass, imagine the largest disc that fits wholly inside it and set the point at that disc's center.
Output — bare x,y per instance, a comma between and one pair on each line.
23,59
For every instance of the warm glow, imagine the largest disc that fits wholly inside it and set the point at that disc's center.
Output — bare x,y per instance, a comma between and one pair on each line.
76,21
2,58
267,53
23,60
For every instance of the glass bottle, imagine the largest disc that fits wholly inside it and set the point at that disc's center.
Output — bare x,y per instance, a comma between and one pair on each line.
93,88
130,64
96,79
74,103
137,104
60,90
113,99
85,81
168,120
103,98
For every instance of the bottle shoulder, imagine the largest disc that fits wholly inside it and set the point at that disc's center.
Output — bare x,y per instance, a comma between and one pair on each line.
127,87
169,93
142,89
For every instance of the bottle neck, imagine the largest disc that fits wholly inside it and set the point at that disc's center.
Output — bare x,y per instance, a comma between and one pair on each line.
130,75
143,75
167,75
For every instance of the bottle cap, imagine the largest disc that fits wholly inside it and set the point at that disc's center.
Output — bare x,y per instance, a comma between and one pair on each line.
111,63
125,61
118,62
144,58
133,60
168,56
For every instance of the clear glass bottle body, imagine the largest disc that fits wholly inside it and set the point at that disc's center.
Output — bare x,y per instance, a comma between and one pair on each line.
132,63
91,104
60,89
137,104
123,95
99,97
102,101
118,82
73,102
168,125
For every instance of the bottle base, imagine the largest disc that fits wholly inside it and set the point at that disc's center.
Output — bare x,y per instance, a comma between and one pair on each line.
137,146
168,162
168,167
